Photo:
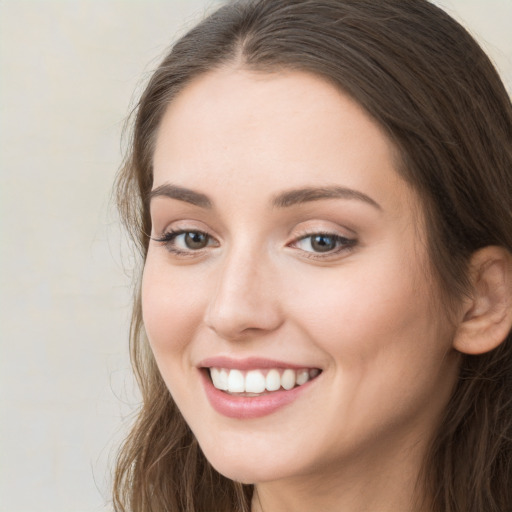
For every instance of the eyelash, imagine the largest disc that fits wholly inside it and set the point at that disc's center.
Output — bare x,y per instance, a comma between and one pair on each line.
168,239
343,244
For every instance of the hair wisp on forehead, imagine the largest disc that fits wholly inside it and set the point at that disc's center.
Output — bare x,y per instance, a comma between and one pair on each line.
427,83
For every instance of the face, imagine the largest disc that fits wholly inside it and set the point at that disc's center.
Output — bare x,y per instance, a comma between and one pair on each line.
287,263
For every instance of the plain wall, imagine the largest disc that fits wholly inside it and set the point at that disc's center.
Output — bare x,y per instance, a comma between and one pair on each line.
68,72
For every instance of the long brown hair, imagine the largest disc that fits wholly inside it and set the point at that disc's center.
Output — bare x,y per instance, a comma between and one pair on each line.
428,84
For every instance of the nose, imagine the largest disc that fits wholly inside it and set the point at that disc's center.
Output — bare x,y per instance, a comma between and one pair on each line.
245,301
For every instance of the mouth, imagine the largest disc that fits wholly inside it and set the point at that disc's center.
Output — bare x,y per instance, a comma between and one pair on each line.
254,387
259,382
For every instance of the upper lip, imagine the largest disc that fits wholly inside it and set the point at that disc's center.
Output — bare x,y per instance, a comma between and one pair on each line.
248,363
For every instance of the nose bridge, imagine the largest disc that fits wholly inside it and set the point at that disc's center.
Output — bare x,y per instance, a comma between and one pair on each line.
245,297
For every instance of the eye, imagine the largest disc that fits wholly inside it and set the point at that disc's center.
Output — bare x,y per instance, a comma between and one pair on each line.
324,243
193,240
186,242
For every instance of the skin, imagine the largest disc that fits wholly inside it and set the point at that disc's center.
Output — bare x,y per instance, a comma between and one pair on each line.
366,313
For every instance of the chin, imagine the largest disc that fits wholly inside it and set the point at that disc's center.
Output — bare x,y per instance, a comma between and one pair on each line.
248,469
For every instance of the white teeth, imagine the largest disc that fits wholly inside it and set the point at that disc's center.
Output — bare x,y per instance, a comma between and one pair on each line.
273,380
223,380
236,382
254,382
219,378
214,374
288,379
259,381
302,377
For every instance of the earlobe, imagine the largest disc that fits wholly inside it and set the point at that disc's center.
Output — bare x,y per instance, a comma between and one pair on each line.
487,317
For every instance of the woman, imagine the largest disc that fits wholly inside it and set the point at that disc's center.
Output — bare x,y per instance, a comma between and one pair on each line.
321,191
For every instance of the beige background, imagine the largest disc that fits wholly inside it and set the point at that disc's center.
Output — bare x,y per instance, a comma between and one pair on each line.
68,71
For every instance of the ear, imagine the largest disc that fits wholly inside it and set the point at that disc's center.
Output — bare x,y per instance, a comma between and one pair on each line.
487,315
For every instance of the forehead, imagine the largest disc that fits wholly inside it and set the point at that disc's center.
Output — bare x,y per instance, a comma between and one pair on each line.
238,128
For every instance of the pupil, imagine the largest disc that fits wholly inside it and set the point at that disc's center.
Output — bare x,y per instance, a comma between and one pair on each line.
323,243
194,240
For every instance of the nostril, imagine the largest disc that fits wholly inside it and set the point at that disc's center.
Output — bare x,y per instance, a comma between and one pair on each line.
241,323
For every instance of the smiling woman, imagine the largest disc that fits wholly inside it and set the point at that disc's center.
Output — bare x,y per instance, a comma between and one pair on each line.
322,322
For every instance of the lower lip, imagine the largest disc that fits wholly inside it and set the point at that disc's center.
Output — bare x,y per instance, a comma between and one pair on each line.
243,407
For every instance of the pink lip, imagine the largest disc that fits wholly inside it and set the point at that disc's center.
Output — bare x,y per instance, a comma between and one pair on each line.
243,407
250,363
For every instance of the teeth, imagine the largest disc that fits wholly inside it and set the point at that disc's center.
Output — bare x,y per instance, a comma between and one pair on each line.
219,378
259,381
254,382
223,380
236,381
302,377
288,379
273,380
314,373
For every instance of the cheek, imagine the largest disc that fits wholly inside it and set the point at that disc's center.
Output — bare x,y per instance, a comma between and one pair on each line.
349,300
171,307
387,350
376,315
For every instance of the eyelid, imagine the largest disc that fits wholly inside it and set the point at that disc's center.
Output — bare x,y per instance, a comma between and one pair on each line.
169,236
180,225
315,228
163,225
347,243
342,242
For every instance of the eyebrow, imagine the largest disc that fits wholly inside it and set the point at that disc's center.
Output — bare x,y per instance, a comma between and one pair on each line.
182,194
309,194
283,200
